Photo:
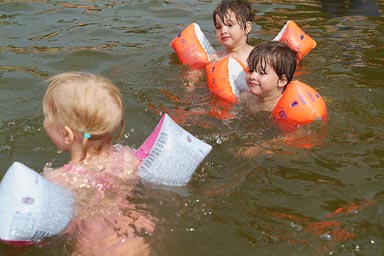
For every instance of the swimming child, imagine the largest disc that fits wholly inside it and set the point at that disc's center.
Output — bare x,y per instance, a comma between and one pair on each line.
233,23
82,112
271,66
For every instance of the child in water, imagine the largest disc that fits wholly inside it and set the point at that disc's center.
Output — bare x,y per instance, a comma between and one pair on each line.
82,113
271,66
233,22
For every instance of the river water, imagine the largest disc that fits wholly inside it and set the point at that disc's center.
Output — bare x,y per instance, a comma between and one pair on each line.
320,193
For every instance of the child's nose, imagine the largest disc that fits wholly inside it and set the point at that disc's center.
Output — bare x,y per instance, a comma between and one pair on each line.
223,29
253,75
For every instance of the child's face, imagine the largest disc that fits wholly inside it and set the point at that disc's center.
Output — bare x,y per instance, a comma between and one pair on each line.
264,83
230,34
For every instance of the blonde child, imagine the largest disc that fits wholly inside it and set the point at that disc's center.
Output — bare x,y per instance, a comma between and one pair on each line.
271,66
82,112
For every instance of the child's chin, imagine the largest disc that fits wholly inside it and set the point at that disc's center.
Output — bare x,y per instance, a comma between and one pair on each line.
255,91
226,43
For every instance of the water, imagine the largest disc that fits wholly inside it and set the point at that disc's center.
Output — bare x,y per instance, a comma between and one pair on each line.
319,194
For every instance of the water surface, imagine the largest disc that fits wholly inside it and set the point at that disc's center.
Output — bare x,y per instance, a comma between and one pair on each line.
320,193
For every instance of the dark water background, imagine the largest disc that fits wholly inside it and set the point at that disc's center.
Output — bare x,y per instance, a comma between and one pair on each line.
319,194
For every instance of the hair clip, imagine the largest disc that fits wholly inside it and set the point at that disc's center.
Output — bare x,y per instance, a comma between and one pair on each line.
87,135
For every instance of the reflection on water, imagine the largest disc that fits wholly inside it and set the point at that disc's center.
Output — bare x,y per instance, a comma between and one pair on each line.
317,191
350,8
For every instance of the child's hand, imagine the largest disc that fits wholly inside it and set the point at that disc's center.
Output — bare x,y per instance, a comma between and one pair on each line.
214,57
248,152
191,78
131,224
144,224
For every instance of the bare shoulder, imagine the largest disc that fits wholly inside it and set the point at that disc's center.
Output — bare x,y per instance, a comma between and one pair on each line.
55,175
125,161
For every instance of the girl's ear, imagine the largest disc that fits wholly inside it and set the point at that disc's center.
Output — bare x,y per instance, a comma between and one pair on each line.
282,81
248,27
68,135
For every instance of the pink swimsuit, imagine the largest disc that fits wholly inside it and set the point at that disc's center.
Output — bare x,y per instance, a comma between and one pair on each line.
105,221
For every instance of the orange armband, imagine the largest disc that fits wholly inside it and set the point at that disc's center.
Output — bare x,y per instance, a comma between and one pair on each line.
226,78
300,104
296,38
192,47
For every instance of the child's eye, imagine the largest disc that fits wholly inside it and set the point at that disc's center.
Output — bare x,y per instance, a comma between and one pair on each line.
261,72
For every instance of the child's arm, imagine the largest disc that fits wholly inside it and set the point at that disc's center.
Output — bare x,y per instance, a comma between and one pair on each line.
114,234
252,151
192,77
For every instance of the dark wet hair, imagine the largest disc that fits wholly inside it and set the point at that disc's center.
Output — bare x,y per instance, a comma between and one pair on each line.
241,8
278,55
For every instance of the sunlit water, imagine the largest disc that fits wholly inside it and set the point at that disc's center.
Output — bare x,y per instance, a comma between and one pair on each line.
319,194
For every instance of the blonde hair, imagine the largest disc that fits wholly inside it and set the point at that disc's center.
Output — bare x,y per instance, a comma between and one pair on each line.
87,103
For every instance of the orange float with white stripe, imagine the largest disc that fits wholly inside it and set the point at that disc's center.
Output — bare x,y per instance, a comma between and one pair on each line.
296,39
300,104
192,47
226,78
